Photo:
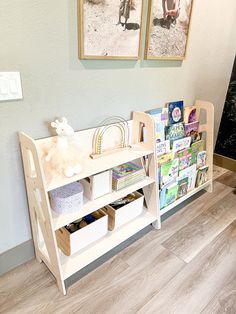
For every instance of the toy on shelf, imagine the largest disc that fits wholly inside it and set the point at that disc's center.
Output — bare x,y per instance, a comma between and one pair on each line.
113,122
63,156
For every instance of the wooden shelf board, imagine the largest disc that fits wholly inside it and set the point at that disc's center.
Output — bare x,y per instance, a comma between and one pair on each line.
72,264
185,197
92,166
90,206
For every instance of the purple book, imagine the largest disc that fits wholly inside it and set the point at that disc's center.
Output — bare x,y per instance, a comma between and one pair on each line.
191,129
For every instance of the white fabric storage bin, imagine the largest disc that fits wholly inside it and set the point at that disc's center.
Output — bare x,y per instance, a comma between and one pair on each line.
71,243
67,199
97,185
118,217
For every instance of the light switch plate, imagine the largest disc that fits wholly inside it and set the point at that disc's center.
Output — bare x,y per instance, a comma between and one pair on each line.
10,86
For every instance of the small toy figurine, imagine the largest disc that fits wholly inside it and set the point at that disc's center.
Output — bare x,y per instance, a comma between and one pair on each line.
63,157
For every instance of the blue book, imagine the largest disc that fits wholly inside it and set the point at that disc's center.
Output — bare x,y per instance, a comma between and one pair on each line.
159,115
176,112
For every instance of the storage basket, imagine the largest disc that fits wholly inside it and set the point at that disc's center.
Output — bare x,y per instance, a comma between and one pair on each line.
71,243
118,217
97,185
67,199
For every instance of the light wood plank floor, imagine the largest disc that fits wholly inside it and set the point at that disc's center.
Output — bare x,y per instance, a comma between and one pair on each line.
187,267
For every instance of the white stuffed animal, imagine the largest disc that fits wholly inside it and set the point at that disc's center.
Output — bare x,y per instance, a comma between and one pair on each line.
63,157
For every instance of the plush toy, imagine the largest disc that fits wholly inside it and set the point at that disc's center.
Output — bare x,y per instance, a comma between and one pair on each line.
63,156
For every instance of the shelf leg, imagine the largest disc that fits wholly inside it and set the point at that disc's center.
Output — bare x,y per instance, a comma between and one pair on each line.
209,188
38,257
61,286
157,224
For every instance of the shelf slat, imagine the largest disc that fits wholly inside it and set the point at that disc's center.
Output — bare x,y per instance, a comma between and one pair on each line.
74,263
92,166
60,220
90,206
185,197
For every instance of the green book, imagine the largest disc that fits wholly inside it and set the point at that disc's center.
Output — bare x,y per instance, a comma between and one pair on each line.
182,187
196,148
171,193
169,171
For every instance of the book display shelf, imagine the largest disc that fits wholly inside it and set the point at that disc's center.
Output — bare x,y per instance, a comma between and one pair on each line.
205,115
45,222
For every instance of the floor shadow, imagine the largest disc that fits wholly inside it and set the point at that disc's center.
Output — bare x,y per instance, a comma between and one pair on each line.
132,26
162,23
157,21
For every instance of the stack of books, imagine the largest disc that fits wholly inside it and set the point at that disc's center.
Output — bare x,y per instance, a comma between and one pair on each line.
126,174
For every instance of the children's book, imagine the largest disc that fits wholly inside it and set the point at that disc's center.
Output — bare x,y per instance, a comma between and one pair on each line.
162,147
174,132
126,174
181,144
171,193
176,111
169,171
197,138
182,187
196,147
159,131
190,114
191,173
162,197
202,175
159,115
168,194
201,159
191,129
164,158
185,158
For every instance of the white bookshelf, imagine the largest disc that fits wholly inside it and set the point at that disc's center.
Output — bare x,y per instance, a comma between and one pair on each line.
45,222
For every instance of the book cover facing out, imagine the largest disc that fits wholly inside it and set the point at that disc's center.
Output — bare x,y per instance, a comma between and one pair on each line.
174,132
169,171
185,158
202,175
191,173
197,147
162,147
176,111
201,159
181,144
159,114
190,114
171,194
182,187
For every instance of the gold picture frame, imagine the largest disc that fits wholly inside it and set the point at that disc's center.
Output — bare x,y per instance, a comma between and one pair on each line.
165,37
102,43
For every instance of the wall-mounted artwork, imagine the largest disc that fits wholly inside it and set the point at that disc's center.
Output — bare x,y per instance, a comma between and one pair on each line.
167,29
110,29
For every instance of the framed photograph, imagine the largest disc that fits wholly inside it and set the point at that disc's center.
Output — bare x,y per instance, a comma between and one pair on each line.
110,29
168,28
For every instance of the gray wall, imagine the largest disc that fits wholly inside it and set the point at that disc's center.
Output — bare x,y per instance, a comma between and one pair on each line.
39,39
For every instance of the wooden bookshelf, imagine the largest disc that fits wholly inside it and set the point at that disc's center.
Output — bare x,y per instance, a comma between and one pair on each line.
45,222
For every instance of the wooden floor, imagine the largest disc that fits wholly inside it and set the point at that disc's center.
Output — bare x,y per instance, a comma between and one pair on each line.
187,267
